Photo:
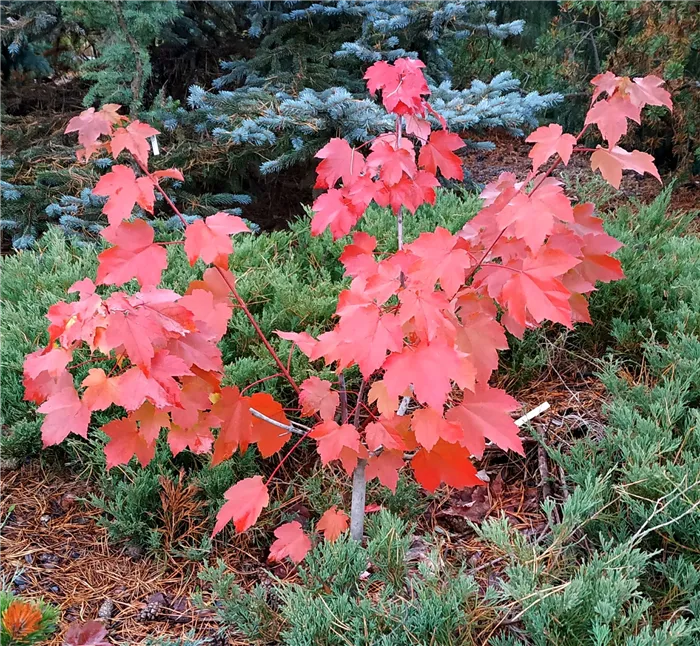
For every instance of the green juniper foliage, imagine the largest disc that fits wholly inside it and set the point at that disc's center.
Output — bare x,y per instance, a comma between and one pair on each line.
339,601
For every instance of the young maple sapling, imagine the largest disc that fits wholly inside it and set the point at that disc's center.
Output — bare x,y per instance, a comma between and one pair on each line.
424,325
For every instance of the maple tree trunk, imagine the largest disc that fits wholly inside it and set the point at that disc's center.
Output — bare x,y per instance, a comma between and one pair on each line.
357,508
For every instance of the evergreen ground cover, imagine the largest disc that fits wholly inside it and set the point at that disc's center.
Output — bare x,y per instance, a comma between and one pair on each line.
618,562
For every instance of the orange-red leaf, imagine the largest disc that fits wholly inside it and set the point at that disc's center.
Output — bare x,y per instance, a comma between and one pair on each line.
611,163
236,424
101,391
125,442
124,191
403,85
611,117
332,439
438,154
429,426
448,463
244,502
338,210
550,140
386,404
383,433
268,437
65,414
316,396
385,467
333,523
648,91
90,126
53,362
340,161
291,541
134,255
210,239
430,367
485,414
133,138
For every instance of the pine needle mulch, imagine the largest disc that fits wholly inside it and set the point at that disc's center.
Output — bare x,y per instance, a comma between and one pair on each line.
52,547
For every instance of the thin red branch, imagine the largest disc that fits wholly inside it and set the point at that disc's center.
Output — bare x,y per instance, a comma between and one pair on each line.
260,381
286,455
232,288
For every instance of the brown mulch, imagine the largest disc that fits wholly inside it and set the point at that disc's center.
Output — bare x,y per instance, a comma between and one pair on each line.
51,546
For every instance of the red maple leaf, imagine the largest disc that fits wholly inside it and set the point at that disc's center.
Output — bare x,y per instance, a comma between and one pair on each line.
611,117
125,442
52,361
648,91
358,257
65,414
244,502
484,413
536,288
101,391
316,396
236,421
338,210
333,523
90,126
291,541
386,404
363,337
198,438
211,315
408,193
385,467
210,239
438,154
133,138
340,161
332,439
448,463
481,337
385,434
440,260
134,255
268,437
534,215
550,140
391,162
196,349
134,329
303,340
124,191
151,420
428,313
606,82
429,426
403,85
612,162
430,367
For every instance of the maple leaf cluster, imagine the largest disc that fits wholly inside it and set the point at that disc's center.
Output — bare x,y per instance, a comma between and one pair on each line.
423,324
